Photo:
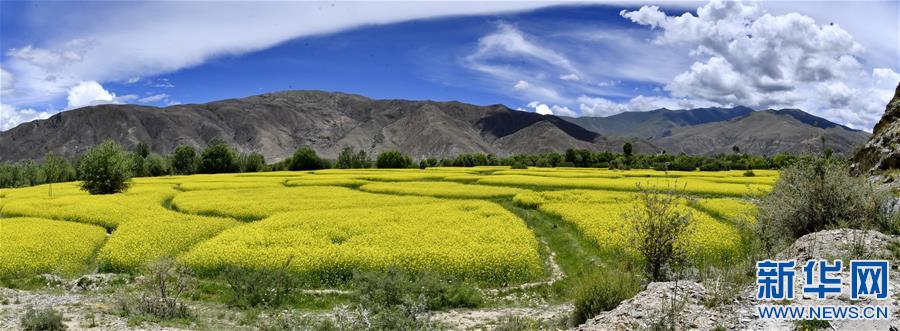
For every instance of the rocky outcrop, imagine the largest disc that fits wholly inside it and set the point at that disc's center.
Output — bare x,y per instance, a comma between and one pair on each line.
882,152
694,309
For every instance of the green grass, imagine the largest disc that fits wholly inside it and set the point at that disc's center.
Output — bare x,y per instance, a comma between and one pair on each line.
576,255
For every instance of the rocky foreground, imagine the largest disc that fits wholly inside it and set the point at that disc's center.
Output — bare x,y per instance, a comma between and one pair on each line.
695,311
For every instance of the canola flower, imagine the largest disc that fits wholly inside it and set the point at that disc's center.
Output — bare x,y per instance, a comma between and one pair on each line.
442,189
31,245
733,210
608,226
143,229
332,221
689,185
471,239
254,204
535,199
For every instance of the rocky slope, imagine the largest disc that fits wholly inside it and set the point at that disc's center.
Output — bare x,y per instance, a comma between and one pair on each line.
656,123
882,152
276,124
766,132
694,312
716,130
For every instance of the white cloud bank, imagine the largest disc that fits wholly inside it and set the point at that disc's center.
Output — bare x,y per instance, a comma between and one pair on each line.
153,38
147,39
10,116
753,58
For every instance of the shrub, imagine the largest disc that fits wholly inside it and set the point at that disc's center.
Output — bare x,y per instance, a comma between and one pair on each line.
163,288
395,300
519,165
105,169
218,158
393,159
156,165
519,323
395,287
43,319
749,173
253,162
602,290
184,160
348,159
658,222
813,195
270,287
305,159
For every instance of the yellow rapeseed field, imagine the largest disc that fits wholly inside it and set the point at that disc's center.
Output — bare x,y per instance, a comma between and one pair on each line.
33,245
475,240
332,222
442,189
250,204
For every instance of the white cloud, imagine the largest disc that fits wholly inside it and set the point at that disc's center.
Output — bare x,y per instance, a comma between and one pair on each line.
509,40
570,77
133,80
154,98
7,83
522,85
754,58
155,38
601,107
544,109
10,116
89,94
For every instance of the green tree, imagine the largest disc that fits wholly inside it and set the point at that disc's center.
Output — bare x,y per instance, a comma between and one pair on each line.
184,160
627,149
348,159
253,162
55,169
305,159
393,159
218,158
142,150
105,169
156,165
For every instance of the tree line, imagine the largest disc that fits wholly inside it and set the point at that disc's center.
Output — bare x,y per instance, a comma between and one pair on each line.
111,159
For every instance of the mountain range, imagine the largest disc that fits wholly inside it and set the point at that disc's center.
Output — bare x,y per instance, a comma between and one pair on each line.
276,124
710,131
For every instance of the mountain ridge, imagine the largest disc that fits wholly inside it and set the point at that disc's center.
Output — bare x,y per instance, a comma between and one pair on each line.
275,124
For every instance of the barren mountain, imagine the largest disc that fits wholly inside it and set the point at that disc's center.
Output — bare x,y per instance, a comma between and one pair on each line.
276,124
766,132
655,123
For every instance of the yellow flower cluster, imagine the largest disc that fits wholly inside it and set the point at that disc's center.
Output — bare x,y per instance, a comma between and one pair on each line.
333,221
475,240
442,189
730,209
689,185
535,199
34,245
608,226
142,227
252,204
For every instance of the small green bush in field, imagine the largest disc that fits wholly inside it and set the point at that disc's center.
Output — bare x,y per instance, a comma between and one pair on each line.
43,319
814,195
602,290
249,287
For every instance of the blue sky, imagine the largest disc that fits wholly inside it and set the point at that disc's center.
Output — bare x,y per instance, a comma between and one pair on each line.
838,60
